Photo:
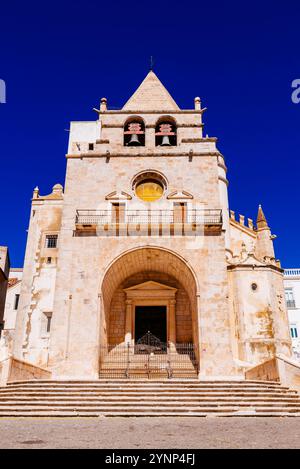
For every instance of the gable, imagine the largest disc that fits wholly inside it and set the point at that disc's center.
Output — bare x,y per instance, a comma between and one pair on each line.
179,195
150,285
151,95
118,196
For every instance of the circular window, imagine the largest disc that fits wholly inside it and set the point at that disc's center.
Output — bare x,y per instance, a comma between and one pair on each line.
254,286
149,186
149,190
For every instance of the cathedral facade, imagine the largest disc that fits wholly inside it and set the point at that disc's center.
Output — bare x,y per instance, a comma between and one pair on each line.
140,243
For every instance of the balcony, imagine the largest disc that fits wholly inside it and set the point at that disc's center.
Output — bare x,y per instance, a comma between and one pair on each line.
148,222
290,304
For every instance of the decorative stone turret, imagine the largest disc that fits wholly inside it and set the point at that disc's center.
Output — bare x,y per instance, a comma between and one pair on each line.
58,190
103,105
197,103
35,193
264,249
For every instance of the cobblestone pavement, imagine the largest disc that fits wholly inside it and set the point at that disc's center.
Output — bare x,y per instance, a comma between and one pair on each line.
135,433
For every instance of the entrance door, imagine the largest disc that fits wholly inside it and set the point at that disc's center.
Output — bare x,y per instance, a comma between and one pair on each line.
151,319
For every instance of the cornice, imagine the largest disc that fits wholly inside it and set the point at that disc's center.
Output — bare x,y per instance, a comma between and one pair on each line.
254,267
108,154
161,112
152,126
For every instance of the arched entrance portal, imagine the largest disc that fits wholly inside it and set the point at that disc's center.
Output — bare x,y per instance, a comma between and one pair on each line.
148,305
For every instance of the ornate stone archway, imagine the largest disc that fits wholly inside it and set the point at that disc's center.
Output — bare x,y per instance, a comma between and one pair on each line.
161,272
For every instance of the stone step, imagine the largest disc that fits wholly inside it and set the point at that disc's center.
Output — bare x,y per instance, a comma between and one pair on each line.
145,383
148,402
94,398
132,386
93,414
163,393
150,409
126,397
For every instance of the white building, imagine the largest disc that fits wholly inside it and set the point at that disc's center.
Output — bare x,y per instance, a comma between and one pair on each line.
10,310
292,296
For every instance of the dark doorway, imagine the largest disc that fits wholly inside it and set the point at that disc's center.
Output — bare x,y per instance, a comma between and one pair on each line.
151,319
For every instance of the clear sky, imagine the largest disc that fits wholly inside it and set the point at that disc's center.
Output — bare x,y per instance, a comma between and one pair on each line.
59,58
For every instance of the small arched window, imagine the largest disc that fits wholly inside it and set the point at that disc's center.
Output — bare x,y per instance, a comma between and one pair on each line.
134,132
165,132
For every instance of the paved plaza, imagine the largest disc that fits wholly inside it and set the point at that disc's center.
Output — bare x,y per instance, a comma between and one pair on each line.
138,433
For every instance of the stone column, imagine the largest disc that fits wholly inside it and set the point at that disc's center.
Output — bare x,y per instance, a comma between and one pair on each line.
128,322
172,323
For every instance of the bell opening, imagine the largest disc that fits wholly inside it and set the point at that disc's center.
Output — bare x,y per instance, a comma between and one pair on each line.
134,133
165,133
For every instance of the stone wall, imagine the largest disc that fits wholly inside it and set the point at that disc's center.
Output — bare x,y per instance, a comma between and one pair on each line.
279,368
4,272
38,282
12,369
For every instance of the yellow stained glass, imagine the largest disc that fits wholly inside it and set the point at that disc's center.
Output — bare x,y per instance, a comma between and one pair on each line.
149,191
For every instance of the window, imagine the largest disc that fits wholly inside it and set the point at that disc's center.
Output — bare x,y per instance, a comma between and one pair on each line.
149,190
165,132
289,298
294,332
16,303
149,186
180,212
118,213
46,322
134,132
51,241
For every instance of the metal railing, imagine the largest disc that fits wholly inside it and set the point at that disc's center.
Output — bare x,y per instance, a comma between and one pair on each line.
292,272
137,361
290,304
103,217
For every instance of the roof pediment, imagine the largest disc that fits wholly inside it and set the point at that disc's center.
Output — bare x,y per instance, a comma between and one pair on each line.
151,95
118,196
150,285
180,195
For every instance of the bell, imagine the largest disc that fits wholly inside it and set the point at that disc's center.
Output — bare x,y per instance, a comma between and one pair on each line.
165,141
134,140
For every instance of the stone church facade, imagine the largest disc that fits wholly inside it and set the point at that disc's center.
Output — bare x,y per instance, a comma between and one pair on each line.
141,239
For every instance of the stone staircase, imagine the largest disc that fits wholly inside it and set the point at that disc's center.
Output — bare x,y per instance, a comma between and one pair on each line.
147,398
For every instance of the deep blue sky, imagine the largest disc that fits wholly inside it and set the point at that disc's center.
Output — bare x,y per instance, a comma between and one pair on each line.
59,58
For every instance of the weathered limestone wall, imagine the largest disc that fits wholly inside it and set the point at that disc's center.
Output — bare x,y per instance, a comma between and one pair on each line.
259,316
38,284
21,370
241,237
12,369
279,368
4,272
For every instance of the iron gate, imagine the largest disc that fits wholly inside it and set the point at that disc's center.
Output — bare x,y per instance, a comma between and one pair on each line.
148,358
